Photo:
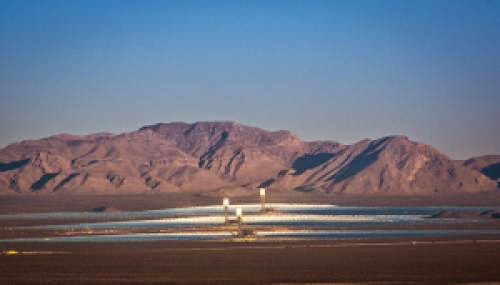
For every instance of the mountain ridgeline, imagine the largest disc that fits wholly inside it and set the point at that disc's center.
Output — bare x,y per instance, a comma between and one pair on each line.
227,156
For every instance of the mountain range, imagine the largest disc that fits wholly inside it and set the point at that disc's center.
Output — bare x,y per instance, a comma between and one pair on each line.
228,156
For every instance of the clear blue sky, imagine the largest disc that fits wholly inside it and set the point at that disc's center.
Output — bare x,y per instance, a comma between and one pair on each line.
341,70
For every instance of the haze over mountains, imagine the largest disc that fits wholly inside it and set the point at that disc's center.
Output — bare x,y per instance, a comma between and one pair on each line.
227,156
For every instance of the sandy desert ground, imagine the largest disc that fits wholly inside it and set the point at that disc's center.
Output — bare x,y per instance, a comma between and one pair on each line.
289,262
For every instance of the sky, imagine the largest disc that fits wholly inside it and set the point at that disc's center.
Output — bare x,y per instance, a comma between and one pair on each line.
340,70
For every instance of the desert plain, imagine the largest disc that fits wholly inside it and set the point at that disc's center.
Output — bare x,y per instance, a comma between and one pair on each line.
463,259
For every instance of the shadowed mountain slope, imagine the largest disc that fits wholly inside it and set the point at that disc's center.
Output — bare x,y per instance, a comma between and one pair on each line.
488,165
227,156
392,165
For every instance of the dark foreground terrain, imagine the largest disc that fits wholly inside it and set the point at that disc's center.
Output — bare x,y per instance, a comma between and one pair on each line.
394,262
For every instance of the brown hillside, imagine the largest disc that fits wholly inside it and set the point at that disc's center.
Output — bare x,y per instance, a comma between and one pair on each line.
227,156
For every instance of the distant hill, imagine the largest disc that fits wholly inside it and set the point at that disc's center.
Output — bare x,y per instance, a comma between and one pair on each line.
227,156
488,165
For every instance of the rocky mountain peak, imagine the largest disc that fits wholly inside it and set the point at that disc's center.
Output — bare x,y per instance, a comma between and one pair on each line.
223,155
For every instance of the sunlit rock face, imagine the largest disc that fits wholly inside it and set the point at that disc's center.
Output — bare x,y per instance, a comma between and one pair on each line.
230,157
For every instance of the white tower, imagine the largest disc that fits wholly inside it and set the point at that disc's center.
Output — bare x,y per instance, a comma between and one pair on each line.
262,192
225,204
239,216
